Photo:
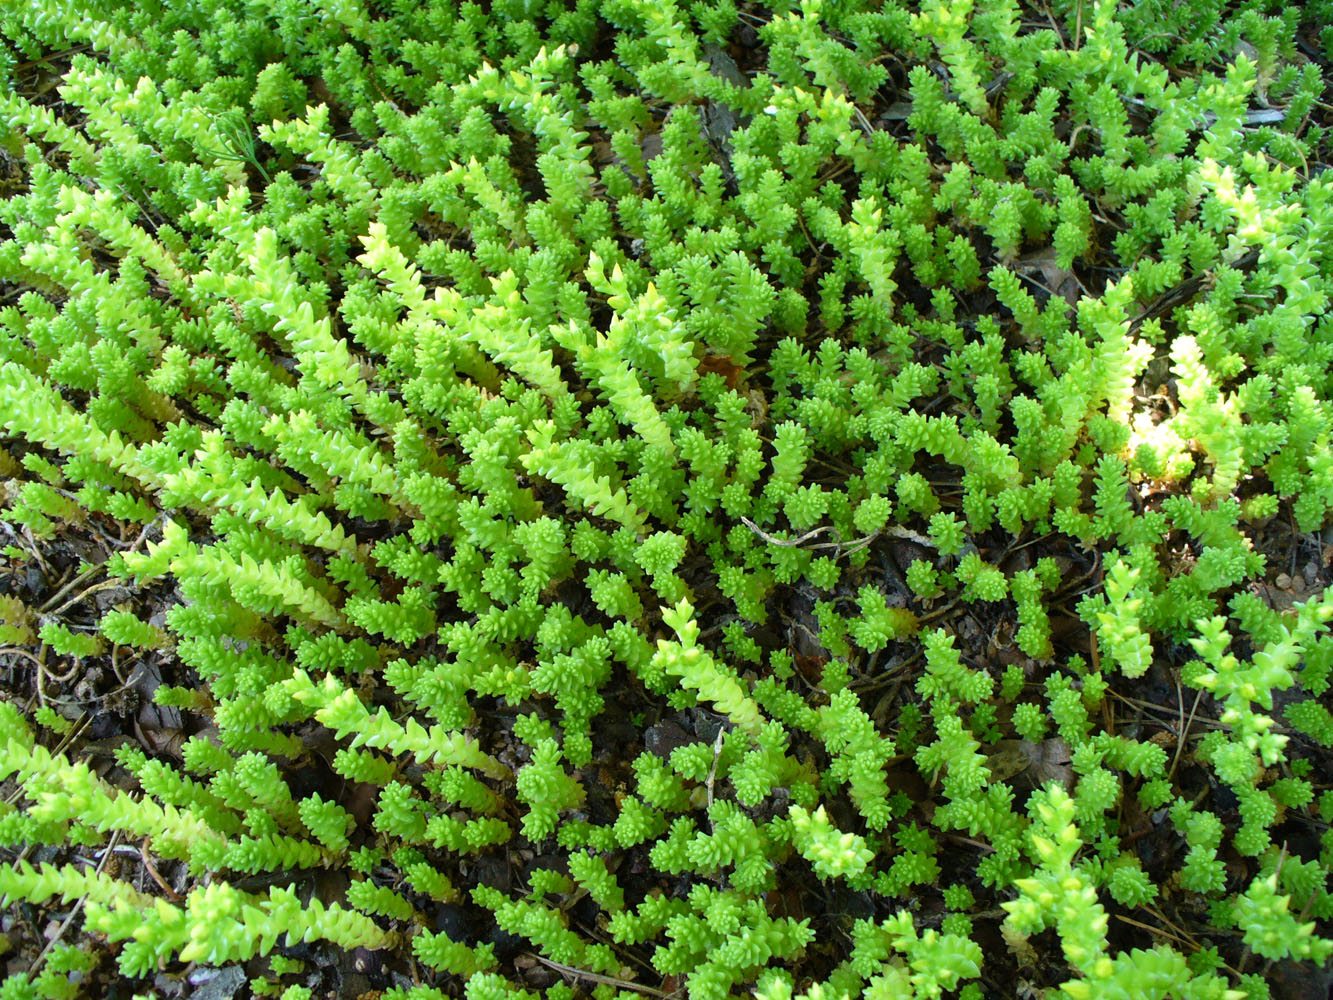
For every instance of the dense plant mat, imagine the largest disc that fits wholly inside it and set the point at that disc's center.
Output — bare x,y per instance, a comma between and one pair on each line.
636,498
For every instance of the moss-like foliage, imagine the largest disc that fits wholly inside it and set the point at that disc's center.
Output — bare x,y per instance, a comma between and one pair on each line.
632,496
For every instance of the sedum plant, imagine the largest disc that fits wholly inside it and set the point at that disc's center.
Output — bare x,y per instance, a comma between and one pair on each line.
618,497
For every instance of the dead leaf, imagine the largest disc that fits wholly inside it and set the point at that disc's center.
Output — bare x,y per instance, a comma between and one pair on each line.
1035,763
1019,946
724,366
1042,269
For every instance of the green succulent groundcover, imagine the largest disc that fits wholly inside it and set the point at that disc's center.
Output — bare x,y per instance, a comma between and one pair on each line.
668,498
